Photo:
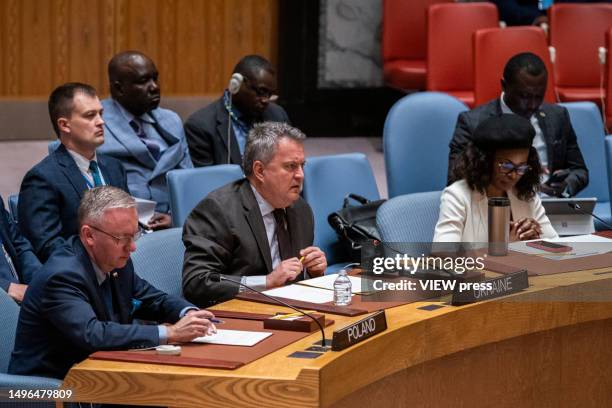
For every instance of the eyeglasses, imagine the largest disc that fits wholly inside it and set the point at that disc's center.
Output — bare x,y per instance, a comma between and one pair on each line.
293,167
123,241
507,167
260,91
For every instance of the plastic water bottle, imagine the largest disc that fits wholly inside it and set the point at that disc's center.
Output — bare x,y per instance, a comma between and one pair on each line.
342,289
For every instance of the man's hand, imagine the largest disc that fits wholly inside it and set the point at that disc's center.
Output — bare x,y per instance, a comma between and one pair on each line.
314,260
524,229
555,186
194,324
17,291
286,271
160,221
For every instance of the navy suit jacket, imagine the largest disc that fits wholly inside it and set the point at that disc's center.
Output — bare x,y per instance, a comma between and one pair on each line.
19,249
50,195
63,318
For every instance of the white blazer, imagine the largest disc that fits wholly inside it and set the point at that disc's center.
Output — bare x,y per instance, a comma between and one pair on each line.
464,214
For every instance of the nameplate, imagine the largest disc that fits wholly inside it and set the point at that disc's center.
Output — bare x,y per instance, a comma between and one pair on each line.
359,331
491,288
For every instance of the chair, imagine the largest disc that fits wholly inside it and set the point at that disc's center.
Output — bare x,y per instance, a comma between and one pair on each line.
9,313
493,47
158,259
409,218
416,135
189,186
12,205
609,161
53,145
576,33
404,42
327,180
587,124
450,46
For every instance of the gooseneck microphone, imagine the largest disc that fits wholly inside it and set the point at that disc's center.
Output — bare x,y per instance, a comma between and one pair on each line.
577,207
217,277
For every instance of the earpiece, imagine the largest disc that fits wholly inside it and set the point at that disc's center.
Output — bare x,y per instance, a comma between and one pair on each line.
235,83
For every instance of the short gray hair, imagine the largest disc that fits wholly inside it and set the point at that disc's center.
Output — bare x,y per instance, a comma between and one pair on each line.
262,141
100,199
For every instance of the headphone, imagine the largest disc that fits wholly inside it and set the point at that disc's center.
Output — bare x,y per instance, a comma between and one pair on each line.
235,83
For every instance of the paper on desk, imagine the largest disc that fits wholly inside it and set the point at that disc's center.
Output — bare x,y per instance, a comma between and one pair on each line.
303,293
582,245
233,338
146,209
327,282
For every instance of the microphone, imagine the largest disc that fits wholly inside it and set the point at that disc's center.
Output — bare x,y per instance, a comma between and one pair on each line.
577,207
217,277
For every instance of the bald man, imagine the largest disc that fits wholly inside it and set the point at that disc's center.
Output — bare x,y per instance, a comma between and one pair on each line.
148,140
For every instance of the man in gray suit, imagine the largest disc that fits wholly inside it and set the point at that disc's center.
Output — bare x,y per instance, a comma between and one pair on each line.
524,86
148,140
257,230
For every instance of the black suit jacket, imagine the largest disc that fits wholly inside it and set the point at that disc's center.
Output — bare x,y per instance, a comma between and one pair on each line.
50,195
19,249
225,234
206,132
63,318
562,148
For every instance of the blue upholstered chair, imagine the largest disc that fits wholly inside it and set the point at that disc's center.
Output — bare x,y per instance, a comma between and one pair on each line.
409,218
54,144
586,121
9,313
188,187
327,181
12,205
609,161
159,260
417,132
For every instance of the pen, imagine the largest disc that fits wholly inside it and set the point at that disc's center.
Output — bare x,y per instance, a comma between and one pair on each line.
301,259
212,319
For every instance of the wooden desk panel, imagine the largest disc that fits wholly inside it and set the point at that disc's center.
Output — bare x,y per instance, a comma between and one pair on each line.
547,346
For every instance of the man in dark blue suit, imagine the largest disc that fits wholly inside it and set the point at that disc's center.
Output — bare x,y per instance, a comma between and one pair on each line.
86,296
51,190
17,261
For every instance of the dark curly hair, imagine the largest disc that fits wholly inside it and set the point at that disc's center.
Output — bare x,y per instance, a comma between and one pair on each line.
476,166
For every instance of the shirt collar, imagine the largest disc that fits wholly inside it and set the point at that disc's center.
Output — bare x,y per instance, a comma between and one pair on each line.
264,207
145,117
81,161
506,109
101,276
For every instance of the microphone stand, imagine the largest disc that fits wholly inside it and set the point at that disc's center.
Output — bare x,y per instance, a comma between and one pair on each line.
577,207
221,278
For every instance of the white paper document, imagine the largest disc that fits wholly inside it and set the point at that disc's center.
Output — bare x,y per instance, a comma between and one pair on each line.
233,338
303,293
146,209
582,245
327,282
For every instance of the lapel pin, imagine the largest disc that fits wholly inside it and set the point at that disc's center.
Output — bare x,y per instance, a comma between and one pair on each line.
115,274
542,114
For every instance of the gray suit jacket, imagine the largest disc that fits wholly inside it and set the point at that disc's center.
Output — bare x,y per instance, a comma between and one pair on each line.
225,234
146,177
562,148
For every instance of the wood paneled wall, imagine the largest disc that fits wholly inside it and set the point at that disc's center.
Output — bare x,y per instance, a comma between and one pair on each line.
195,43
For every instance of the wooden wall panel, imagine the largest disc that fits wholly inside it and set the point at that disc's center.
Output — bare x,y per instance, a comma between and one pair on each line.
194,43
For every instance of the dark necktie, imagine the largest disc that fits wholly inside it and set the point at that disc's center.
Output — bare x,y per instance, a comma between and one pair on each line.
95,173
107,297
152,147
6,263
282,235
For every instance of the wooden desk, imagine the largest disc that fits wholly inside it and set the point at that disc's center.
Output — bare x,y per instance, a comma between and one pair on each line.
547,346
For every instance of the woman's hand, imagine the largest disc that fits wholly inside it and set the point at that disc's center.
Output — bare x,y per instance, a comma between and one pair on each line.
524,229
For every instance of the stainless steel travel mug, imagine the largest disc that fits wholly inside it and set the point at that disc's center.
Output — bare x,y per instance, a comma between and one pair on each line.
499,225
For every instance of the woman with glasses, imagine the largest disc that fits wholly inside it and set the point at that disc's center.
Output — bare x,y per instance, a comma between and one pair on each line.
500,161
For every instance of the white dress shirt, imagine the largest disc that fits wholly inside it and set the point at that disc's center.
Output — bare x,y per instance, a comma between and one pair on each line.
83,164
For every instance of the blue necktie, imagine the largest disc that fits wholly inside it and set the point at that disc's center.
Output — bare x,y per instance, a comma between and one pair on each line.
95,173
152,147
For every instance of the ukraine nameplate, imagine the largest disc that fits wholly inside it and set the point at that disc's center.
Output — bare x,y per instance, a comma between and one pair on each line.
491,288
359,331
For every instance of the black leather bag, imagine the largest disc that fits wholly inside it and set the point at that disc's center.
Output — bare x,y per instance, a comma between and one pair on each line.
356,224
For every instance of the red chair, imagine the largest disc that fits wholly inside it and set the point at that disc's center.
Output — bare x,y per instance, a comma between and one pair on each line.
450,46
404,44
493,47
576,33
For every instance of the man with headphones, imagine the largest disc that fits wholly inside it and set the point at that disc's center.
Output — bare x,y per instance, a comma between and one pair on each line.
217,133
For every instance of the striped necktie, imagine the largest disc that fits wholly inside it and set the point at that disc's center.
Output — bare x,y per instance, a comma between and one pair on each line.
95,173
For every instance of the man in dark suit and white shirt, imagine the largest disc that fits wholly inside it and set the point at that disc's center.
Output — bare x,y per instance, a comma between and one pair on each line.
52,189
524,86
18,263
207,129
87,295
257,230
